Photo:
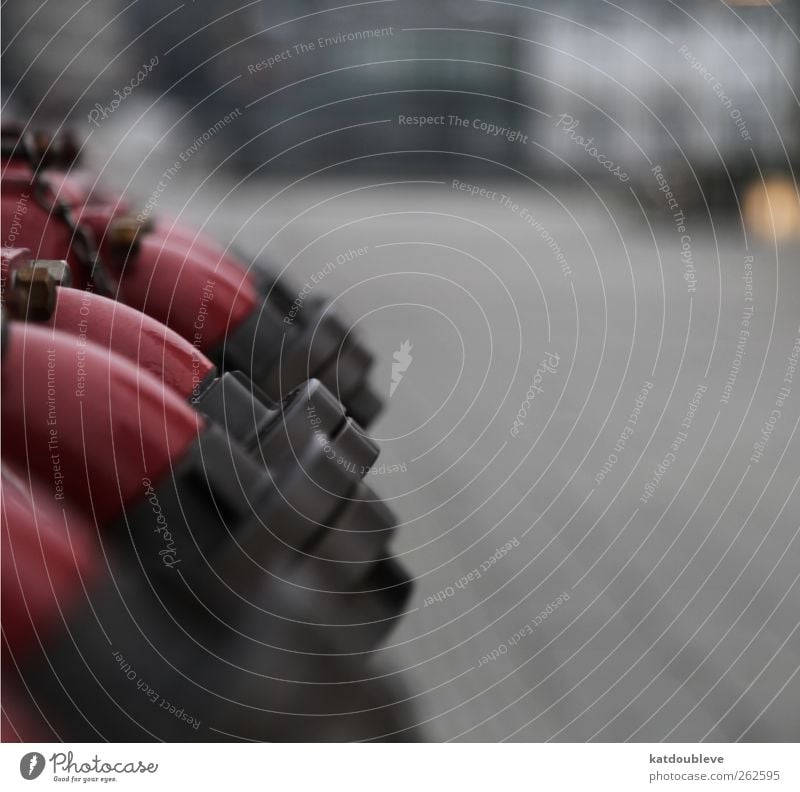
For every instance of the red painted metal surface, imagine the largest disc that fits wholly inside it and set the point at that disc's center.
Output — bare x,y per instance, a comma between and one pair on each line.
24,223
87,421
48,557
141,339
200,298
194,289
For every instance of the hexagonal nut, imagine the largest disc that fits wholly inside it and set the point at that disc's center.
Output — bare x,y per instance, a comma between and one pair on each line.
124,233
32,296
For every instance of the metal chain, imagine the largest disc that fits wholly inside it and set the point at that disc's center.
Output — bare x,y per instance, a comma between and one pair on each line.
82,243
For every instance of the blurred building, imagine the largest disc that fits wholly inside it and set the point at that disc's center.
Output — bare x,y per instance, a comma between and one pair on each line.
693,85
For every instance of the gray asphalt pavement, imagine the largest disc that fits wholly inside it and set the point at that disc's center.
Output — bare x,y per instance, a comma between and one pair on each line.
592,449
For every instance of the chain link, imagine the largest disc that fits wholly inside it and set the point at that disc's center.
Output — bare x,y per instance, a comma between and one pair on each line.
82,243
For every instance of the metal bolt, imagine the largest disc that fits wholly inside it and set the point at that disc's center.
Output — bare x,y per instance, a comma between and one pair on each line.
124,233
32,296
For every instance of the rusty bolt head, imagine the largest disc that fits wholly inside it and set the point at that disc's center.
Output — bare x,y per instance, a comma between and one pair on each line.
124,233
58,268
32,295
